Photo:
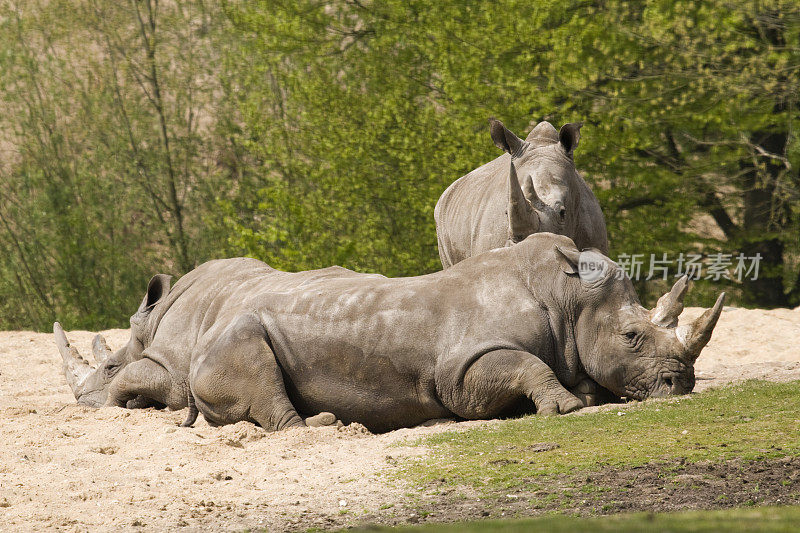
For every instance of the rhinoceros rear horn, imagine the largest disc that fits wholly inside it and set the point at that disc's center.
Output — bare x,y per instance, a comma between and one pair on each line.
523,220
76,369
670,306
100,349
696,335
505,140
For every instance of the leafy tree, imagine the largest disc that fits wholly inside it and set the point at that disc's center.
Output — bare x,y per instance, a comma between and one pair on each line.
109,155
694,107
689,111
144,136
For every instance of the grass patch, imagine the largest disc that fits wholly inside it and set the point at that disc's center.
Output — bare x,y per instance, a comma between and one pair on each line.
772,519
753,420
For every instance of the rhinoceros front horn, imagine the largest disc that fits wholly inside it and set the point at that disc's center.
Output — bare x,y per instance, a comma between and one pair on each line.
76,369
696,335
523,219
670,306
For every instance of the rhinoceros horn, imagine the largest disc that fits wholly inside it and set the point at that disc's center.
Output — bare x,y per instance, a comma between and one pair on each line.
100,348
76,369
696,335
523,219
670,306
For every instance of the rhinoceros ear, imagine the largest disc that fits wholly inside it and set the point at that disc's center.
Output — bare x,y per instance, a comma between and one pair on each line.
568,258
505,140
569,136
156,290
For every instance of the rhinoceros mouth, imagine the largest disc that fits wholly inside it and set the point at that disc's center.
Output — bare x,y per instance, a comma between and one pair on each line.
642,387
665,383
637,396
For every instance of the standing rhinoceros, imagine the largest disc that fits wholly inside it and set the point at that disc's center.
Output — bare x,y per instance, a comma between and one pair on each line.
533,188
473,341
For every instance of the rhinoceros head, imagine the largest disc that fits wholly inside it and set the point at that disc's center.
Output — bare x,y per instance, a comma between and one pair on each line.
632,351
90,384
541,194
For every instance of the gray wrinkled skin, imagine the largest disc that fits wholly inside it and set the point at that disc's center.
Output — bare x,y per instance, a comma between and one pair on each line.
485,210
474,341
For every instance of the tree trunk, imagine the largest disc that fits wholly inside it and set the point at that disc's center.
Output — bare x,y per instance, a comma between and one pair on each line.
763,223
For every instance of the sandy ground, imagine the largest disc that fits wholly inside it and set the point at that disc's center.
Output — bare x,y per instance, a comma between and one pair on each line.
71,468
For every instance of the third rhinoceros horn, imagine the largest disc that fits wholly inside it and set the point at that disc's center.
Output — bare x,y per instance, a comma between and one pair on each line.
692,336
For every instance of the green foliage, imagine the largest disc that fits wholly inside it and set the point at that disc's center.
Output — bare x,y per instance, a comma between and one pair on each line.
356,145
107,156
689,113
697,103
749,421
150,136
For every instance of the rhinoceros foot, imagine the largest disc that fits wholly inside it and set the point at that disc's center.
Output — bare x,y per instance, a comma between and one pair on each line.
588,400
436,422
557,402
320,420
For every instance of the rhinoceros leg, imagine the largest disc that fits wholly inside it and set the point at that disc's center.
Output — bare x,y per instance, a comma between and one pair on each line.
236,377
500,379
145,383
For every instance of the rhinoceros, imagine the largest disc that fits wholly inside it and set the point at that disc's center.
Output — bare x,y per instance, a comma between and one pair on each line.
239,340
532,188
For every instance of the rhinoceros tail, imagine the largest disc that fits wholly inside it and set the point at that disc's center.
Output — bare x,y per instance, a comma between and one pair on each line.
191,417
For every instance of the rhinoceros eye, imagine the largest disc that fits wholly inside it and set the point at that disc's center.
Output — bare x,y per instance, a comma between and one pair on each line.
112,368
631,335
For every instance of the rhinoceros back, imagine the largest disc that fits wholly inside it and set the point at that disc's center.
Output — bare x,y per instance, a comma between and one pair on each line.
471,214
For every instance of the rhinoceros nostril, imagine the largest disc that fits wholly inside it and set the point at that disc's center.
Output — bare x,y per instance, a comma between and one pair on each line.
668,382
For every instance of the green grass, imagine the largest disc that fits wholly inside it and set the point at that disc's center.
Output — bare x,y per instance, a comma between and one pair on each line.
772,519
749,421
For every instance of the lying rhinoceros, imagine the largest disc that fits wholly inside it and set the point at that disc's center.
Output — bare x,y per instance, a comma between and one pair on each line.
248,342
533,188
